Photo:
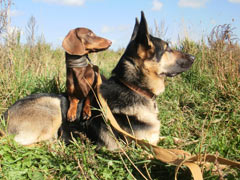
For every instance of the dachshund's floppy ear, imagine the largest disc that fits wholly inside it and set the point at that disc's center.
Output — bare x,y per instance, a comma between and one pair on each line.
73,44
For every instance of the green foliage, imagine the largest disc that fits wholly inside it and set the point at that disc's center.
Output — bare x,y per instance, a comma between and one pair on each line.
200,107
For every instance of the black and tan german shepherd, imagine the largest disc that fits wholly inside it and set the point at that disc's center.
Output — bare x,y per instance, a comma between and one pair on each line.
130,93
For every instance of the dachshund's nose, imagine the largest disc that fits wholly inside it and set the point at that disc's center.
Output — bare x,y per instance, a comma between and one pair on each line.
109,42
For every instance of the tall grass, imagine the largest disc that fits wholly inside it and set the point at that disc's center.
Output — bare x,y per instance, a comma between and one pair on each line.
25,72
201,107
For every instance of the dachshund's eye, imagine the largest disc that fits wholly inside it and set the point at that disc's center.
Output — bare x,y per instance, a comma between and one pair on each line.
90,34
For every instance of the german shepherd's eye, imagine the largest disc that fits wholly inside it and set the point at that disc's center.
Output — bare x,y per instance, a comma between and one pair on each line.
166,46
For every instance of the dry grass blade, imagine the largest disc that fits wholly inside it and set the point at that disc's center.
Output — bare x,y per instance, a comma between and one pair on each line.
4,16
224,58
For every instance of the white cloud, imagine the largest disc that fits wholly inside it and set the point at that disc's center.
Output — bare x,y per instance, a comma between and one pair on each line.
119,35
123,28
15,12
64,2
111,29
234,1
157,5
107,29
213,22
192,3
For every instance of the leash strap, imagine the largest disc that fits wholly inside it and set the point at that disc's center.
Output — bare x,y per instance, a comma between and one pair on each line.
170,156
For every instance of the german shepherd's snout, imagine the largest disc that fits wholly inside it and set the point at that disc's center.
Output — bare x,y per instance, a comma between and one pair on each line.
176,62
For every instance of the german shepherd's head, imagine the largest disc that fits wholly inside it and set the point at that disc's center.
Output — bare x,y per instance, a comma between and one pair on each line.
147,60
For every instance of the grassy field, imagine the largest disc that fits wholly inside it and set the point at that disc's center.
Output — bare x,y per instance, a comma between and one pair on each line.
201,107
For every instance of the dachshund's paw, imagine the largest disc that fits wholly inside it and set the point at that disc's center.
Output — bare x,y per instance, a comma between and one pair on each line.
71,117
86,115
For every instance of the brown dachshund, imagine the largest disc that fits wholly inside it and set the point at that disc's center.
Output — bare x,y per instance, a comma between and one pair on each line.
78,44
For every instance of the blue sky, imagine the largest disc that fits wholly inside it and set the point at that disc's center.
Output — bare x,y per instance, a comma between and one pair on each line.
114,19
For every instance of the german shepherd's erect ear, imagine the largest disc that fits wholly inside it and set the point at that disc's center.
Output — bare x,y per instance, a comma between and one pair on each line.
135,30
143,38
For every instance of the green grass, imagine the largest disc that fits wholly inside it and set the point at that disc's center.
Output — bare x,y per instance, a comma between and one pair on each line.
200,106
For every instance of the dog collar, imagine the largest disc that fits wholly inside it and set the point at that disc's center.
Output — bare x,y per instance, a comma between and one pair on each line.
80,62
138,90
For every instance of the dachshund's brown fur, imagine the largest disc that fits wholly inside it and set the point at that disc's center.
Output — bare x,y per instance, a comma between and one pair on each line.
78,44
